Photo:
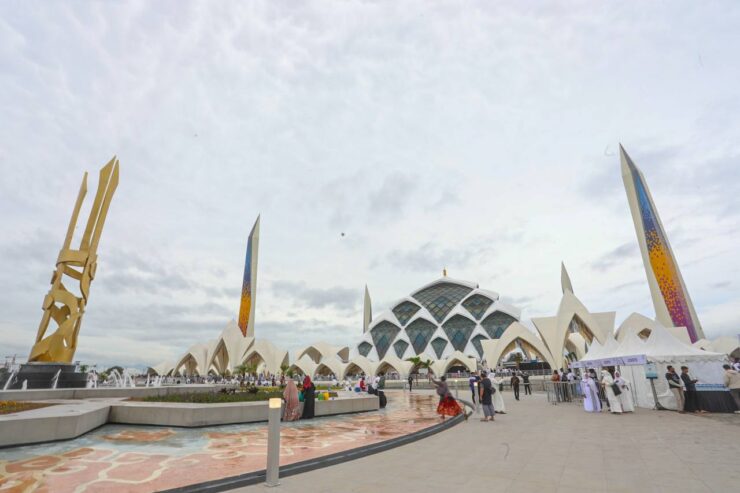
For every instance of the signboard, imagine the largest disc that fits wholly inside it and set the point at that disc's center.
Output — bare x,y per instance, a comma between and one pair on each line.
635,360
651,371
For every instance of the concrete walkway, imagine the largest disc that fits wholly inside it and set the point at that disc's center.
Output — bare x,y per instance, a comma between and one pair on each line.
542,448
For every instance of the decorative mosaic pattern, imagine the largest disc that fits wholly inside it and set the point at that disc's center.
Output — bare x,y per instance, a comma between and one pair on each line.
662,262
420,331
439,346
383,334
441,298
136,459
496,323
477,305
404,311
400,347
458,330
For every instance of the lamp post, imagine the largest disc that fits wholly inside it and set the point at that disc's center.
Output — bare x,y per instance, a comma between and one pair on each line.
273,442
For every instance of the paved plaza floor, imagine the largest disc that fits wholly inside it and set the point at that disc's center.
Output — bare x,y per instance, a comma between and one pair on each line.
540,447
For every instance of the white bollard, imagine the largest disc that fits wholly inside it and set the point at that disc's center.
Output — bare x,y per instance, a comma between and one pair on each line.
273,442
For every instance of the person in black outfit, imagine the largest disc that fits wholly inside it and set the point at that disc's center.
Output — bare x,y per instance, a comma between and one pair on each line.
691,398
527,385
309,396
515,386
411,382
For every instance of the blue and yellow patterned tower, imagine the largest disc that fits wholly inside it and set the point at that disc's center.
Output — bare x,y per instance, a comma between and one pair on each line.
673,306
249,284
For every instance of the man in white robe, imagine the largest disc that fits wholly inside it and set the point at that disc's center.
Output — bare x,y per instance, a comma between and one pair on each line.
607,381
625,398
591,402
498,398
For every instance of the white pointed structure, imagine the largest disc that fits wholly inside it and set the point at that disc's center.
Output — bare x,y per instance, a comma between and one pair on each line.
249,283
572,318
673,306
367,311
565,279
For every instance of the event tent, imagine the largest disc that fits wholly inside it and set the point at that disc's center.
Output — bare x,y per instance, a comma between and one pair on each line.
661,349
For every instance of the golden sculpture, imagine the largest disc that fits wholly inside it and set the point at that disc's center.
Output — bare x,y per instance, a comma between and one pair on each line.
61,305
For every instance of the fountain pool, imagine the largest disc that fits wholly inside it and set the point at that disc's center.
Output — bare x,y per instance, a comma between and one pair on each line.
149,458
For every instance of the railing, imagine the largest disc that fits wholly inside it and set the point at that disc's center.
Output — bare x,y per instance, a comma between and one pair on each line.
558,392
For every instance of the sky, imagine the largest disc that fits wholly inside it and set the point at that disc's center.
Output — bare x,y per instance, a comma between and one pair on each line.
481,137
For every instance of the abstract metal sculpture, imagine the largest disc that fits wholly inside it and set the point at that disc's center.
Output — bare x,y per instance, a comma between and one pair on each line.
61,305
249,284
673,306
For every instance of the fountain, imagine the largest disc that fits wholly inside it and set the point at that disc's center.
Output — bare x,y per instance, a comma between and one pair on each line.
55,379
10,379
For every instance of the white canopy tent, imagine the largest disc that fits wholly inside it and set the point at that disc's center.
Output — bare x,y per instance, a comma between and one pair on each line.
662,349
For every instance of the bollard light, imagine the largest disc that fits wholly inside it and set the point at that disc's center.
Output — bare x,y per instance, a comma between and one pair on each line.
273,442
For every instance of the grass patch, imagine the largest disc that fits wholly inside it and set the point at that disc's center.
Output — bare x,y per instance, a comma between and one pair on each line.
12,407
213,397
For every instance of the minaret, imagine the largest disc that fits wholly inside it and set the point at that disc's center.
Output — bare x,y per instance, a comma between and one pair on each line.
367,311
249,284
673,306
565,279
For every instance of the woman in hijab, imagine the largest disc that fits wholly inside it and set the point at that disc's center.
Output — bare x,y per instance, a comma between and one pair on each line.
448,406
309,394
607,382
292,404
625,398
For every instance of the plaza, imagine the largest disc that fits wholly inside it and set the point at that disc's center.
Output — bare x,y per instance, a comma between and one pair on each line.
538,447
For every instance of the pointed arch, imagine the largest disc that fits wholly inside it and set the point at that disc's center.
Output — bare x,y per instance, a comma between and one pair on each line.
517,335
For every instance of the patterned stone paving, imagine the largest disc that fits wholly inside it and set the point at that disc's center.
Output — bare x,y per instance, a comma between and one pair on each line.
142,459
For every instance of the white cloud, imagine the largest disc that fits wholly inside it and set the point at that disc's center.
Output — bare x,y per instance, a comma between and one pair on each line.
402,125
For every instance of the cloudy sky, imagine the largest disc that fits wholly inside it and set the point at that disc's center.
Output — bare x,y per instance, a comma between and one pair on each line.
478,136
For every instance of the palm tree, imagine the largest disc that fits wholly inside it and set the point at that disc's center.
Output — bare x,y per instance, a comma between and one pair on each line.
284,368
518,358
241,369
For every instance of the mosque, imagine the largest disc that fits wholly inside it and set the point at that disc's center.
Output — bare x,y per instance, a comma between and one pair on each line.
455,324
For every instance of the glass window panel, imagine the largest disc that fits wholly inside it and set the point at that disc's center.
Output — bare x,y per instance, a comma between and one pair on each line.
383,335
400,347
458,330
364,348
477,305
478,346
439,345
404,311
496,323
441,298
420,331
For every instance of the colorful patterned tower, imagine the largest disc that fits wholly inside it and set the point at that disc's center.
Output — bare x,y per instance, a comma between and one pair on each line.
673,306
249,284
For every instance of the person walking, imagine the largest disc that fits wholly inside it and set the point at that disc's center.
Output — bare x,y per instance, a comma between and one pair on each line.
732,381
515,386
527,385
411,382
486,390
676,386
691,398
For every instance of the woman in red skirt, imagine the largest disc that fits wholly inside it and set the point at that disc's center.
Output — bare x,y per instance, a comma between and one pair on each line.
448,406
